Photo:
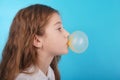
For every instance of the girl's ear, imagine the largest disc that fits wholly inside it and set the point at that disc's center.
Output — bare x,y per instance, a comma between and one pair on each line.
37,42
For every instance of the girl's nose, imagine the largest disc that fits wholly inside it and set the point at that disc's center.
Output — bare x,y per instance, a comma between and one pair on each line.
66,34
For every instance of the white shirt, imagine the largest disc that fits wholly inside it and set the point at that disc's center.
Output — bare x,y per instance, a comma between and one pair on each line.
38,75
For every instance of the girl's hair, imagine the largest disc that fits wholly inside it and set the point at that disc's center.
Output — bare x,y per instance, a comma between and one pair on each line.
19,52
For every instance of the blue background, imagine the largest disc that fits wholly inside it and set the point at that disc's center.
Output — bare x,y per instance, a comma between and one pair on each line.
99,19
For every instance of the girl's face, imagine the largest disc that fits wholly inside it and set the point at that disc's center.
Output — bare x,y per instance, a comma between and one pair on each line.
56,37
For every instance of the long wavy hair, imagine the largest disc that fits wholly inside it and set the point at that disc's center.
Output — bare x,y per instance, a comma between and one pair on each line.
19,52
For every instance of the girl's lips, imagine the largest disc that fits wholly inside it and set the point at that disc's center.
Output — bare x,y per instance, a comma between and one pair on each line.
68,43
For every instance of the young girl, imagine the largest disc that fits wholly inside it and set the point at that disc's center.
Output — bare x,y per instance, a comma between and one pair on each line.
35,43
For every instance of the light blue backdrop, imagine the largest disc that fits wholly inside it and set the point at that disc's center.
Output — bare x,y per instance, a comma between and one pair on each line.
99,19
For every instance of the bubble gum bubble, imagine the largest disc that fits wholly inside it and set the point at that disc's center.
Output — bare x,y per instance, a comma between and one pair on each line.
78,42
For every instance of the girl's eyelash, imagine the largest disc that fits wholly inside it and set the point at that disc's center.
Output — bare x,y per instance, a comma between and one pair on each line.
59,29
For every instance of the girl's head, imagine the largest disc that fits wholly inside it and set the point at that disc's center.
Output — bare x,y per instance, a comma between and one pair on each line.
34,29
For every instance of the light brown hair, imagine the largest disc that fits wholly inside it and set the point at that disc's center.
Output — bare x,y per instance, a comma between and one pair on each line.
19,53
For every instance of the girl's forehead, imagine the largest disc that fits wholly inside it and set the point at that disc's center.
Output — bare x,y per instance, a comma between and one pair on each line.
55,19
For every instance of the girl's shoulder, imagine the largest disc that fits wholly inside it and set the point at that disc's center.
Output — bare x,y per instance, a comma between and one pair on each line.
36,74
23,76
28,74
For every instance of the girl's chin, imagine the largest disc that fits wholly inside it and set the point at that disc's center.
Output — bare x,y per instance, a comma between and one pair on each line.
65,52
62,53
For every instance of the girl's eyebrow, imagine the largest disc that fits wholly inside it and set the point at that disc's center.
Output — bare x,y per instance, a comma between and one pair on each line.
59,22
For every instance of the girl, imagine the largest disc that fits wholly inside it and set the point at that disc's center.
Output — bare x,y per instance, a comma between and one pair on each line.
35,43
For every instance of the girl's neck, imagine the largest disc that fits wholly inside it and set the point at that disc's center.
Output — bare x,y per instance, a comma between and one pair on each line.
44,62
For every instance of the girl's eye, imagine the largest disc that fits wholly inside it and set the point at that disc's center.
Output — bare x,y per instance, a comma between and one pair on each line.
60,29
